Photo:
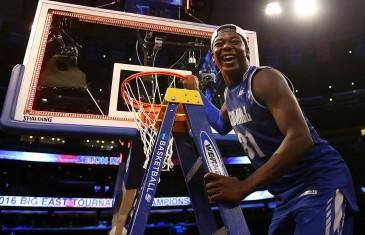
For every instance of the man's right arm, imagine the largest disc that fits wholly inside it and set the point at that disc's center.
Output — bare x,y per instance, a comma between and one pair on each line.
218,119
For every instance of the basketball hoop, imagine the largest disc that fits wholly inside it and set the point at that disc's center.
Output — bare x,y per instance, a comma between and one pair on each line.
144,93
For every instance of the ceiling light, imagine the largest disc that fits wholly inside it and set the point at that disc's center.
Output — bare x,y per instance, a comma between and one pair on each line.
306,7
273,8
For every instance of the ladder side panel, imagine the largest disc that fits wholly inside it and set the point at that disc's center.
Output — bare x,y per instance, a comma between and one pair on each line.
150,181
231,214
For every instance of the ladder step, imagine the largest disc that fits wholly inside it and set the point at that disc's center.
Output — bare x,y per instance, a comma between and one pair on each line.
198,163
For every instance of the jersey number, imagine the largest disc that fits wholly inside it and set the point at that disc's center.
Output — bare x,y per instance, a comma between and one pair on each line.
249,145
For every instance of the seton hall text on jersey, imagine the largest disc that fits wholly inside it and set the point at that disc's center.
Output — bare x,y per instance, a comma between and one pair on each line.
239,116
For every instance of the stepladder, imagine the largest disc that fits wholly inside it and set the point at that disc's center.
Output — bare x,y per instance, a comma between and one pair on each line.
182,117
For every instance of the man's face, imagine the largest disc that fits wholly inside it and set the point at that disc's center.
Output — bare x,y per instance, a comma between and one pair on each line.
229,53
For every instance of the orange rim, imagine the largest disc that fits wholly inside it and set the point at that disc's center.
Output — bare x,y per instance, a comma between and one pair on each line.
146,106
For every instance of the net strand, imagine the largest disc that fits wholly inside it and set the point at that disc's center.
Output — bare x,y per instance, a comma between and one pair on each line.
145,108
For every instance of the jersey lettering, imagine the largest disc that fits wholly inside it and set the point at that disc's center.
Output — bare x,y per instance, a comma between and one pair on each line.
239,116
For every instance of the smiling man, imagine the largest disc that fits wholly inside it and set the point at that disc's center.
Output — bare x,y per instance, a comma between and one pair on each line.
310,180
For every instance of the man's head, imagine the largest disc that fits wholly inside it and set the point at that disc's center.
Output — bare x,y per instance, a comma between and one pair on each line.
230,52
228,28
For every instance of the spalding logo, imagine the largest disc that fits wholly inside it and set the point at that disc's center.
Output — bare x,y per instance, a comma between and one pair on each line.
211,155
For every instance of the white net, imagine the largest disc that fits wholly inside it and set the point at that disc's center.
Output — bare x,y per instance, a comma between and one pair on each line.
144,92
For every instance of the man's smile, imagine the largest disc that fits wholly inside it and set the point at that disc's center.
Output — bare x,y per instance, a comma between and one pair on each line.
229,58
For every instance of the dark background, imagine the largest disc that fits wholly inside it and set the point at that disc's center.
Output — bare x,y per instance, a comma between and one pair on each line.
328,50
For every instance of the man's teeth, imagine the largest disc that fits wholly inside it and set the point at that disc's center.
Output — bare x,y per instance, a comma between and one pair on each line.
228,58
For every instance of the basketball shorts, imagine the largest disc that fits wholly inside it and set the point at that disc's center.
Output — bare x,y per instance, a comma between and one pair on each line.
328,218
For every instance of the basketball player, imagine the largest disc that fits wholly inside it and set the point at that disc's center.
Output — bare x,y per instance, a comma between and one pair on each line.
310,180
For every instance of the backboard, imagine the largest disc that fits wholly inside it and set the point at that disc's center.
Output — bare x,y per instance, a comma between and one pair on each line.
78,56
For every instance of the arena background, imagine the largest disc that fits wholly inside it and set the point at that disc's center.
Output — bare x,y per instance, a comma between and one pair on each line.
323,55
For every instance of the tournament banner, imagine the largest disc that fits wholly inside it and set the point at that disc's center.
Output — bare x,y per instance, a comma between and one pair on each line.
67,202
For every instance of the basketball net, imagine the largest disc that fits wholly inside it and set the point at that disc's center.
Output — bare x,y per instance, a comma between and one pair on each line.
144,92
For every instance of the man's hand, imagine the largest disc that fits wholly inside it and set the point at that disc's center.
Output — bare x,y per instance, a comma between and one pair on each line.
223,188
192,83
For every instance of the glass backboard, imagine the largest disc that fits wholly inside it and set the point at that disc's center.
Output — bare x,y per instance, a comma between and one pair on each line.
77,56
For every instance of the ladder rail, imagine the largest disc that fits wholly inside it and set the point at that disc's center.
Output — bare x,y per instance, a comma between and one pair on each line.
152,175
